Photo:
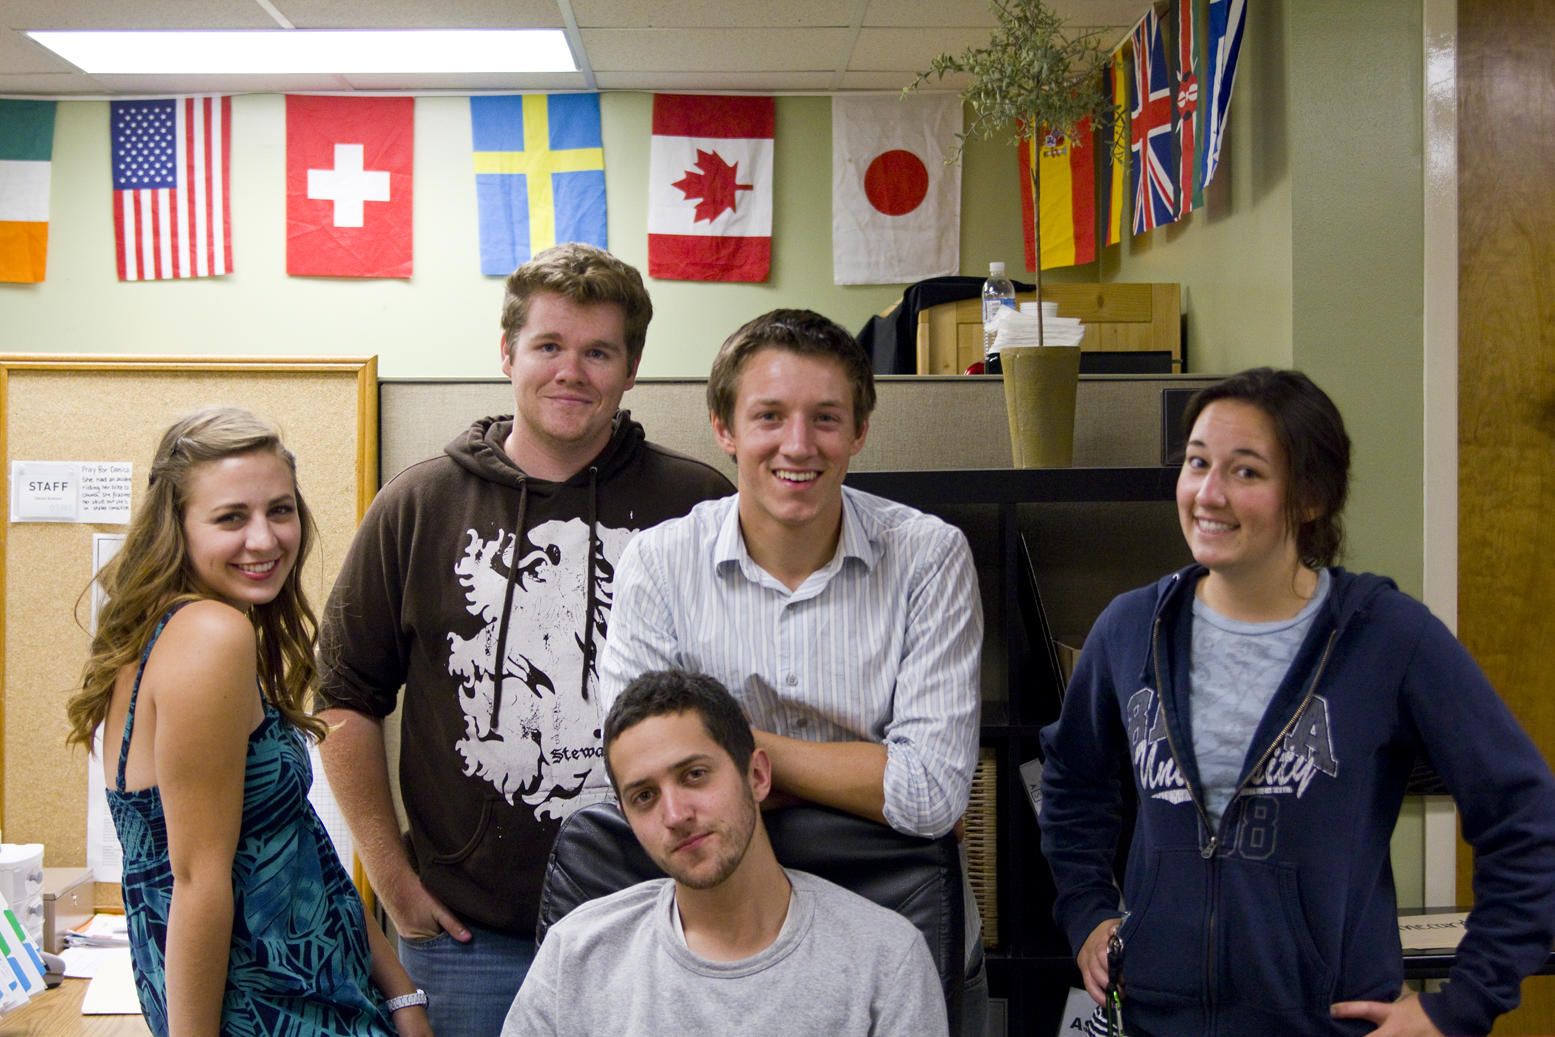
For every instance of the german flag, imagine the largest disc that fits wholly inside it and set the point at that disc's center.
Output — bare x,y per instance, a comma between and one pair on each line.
1110,159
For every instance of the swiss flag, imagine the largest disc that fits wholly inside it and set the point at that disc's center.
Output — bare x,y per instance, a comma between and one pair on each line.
348,185
710,188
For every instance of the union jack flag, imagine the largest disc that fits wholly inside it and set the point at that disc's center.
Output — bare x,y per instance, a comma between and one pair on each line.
1155,180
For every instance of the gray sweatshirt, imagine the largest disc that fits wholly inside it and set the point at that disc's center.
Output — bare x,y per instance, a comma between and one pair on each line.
842,966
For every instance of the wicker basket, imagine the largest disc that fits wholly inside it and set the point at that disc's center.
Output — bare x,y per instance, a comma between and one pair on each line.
982,844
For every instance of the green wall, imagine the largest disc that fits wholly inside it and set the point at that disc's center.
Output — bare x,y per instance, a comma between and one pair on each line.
1358,256
1233,256
442,323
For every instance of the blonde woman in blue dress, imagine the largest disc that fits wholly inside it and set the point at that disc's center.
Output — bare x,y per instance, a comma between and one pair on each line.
242,920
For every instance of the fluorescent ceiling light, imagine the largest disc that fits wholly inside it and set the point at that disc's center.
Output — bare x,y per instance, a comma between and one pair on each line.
315,51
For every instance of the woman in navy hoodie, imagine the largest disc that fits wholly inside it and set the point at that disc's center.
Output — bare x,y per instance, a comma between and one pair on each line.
1270,706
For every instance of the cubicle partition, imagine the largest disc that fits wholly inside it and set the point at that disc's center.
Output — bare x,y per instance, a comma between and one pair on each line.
1052,548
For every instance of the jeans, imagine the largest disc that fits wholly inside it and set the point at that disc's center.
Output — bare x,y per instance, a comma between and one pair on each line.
974,996
470,986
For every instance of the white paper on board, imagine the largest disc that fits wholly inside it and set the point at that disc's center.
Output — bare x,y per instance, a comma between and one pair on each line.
105,492
71,491
44,491
104,547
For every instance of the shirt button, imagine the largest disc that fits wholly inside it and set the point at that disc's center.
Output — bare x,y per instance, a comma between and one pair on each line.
802,722
791,680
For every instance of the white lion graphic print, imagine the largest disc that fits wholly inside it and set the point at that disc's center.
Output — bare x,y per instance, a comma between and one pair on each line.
541,741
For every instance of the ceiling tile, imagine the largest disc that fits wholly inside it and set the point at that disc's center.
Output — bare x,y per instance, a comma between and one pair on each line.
49,83
929,13
417,14
710,14
897,80
696,82
1119,13
473,81
20,54
714,50
884,50
134,14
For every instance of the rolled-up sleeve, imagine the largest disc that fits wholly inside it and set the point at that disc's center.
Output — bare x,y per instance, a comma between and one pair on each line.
931,741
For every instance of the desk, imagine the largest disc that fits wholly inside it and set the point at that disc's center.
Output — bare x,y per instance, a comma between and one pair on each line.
57,1013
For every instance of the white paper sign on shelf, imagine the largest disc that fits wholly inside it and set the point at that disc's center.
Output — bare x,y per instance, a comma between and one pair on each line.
71,491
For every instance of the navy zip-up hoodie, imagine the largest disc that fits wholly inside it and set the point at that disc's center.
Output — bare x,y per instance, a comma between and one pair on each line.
1288,907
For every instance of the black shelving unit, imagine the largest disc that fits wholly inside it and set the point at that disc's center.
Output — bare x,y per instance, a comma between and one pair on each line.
1032,968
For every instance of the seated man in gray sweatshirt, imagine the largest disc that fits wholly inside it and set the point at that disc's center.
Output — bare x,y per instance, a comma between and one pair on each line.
731,942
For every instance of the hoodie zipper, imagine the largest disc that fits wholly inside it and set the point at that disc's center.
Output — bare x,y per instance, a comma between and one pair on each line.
1208,853
1215,835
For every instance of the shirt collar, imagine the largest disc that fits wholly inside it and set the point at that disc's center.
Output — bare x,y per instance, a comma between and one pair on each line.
855,542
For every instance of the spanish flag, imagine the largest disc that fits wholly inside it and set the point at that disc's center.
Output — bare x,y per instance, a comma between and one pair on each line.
26,152
1068,216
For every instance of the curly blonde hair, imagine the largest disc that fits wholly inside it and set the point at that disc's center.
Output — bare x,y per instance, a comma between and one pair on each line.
152,573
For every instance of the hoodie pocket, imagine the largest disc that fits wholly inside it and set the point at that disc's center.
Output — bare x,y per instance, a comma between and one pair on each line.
1268,955
1164,934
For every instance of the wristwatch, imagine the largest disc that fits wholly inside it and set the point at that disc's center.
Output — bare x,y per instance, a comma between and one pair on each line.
394,1004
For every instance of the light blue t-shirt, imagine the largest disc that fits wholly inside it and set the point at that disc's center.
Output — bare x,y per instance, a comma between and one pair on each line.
1234,670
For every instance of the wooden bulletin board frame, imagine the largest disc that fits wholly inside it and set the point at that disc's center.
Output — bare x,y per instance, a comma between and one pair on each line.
99,407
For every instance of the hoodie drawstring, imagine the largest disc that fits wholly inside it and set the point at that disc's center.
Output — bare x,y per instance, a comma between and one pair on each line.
501,660
588,612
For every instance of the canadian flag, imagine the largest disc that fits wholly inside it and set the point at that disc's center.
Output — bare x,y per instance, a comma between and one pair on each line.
348,185
710,188
896,205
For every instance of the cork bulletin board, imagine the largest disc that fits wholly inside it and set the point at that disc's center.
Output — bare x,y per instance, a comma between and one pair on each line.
114,408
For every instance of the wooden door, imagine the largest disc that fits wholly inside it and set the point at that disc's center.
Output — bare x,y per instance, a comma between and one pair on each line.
1506,342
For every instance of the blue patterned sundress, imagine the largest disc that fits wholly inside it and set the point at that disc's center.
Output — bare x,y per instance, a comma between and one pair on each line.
299,963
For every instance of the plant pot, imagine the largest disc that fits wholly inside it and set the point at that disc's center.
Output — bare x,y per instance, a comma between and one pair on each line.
1040,383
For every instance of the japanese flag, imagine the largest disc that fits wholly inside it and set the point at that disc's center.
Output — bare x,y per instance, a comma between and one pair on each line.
710,188
896,205
348,185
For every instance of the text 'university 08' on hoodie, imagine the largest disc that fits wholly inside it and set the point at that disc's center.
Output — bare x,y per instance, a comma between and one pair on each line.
1288,906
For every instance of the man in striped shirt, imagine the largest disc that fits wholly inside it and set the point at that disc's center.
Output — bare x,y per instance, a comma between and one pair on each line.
849,627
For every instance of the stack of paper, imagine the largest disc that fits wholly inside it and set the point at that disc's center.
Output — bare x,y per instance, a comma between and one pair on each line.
100,931
1019,328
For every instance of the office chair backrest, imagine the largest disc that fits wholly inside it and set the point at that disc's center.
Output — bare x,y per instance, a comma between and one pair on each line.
596,854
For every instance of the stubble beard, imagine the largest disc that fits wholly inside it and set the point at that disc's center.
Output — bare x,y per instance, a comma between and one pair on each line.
736,837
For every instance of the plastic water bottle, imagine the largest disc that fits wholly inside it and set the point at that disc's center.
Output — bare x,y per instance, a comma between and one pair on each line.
997,292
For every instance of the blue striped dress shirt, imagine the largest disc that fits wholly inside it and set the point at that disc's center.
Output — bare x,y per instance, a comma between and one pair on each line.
881,645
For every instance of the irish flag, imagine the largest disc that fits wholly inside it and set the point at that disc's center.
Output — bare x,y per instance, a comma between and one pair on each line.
26,148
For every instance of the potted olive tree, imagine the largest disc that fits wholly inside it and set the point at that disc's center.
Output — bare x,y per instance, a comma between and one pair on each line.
1033,79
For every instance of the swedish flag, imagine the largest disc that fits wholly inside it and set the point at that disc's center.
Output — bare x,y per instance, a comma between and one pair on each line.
539,175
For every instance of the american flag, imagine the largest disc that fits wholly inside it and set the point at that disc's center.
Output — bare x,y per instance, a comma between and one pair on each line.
171,213
1155,189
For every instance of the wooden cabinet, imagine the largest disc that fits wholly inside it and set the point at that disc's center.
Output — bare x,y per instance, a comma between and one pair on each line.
1117,317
